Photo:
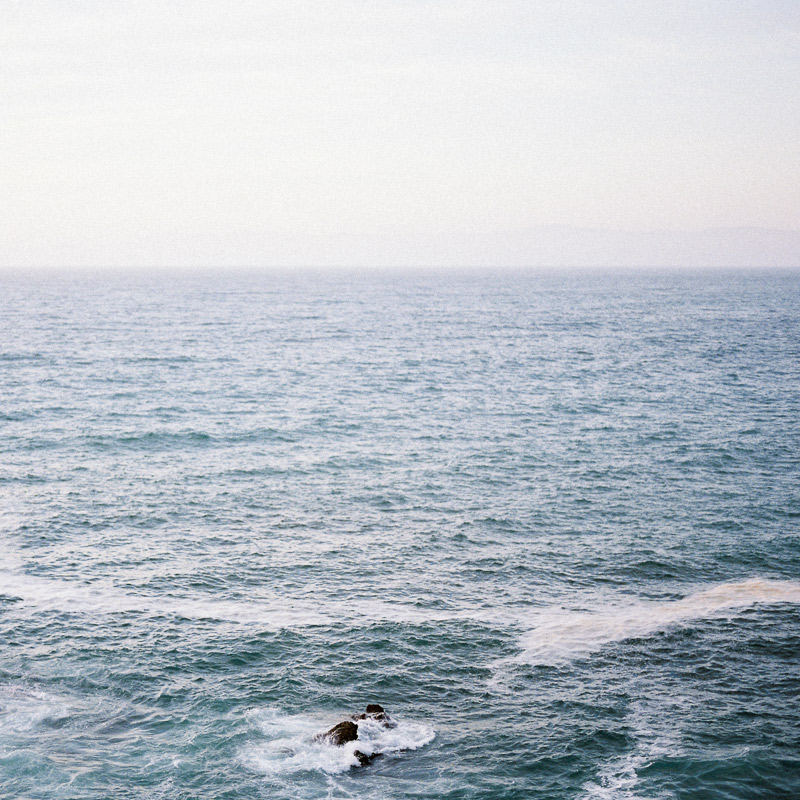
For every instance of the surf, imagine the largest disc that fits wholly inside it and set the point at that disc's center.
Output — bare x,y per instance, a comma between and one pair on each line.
290,742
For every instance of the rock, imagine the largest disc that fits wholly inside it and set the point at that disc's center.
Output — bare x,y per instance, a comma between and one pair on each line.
363,758
376,713
347,731
339,734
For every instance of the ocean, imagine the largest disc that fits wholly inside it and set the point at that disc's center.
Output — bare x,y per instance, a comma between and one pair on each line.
549,521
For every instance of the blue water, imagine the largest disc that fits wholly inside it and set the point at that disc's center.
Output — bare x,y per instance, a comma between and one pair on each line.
550,522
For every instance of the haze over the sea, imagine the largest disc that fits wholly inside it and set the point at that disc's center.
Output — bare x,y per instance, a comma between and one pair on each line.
400,133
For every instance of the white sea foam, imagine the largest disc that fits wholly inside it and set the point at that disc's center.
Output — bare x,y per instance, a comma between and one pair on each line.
373,738
104,597
26,711
559,635
655,725
290,747
23,710
555,635
269,610
274,611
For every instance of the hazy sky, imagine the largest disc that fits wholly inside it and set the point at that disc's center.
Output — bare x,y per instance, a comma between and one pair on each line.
396,132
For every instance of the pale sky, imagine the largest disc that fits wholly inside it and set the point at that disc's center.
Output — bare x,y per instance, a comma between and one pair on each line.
407,132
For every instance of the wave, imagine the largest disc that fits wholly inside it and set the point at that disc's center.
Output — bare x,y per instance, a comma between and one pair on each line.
559,635
290,748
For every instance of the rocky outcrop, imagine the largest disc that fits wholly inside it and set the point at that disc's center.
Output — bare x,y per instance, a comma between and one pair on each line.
377,714
339,734
347,731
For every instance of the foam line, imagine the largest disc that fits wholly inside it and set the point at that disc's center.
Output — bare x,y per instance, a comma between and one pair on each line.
559,635
273,611
102,597
556,635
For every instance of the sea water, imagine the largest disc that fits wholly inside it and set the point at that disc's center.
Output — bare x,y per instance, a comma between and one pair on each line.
549,521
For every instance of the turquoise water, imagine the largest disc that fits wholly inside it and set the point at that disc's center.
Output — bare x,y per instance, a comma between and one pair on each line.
551,523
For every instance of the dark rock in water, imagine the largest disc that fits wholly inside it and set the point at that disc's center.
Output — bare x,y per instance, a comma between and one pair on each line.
339,734
347,731
363,758
376,713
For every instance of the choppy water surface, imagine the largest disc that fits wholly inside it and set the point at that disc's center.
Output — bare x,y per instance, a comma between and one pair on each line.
549,522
